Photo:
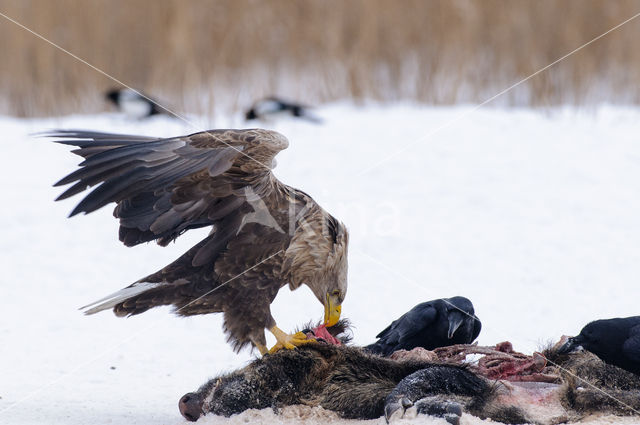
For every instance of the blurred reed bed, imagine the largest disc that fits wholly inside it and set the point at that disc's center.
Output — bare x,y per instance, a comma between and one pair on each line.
203,56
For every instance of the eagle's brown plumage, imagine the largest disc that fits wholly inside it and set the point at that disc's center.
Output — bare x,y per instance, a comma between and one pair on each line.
265,234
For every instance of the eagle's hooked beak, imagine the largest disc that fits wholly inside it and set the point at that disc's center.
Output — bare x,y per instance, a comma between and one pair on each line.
331,309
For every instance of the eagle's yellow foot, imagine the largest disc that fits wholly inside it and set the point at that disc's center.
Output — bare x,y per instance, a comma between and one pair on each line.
288,341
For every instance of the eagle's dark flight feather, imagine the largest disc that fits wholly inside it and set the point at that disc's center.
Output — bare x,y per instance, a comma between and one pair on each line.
218,178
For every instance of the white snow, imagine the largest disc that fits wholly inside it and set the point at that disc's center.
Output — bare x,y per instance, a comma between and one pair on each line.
473,358
533,215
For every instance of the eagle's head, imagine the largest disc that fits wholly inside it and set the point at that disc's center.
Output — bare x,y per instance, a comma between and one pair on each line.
317,257
330,286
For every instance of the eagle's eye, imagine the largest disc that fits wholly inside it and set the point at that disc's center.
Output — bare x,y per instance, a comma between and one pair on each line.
336,293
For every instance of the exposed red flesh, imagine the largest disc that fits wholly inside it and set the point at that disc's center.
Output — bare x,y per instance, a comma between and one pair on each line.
322,332
498,362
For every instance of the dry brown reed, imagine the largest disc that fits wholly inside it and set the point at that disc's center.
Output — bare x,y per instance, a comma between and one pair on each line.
200,55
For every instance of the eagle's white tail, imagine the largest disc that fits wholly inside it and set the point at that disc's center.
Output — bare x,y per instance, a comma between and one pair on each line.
117,297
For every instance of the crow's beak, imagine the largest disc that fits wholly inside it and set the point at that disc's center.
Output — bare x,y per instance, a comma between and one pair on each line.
332,310
570,346
456,318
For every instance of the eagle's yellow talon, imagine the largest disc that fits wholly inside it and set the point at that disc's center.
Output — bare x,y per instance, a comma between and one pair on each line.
300,338
287,341
275,348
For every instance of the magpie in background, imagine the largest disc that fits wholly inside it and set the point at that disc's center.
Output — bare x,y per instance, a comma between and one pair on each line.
430,325
272,107
132,104
615,341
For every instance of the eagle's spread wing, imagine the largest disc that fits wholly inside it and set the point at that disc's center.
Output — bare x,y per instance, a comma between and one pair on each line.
164,187
265,234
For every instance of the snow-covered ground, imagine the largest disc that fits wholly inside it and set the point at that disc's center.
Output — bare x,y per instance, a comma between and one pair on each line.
532,215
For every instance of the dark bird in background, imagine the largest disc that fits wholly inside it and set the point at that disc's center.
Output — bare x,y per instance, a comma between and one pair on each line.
430,325
133,104
265,234
271,107
615,341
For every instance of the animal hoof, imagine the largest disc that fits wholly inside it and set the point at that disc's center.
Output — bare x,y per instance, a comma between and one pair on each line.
436,406
452,418
190,407
395,409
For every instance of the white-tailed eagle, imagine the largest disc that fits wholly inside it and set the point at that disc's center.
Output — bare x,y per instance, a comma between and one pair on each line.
264,234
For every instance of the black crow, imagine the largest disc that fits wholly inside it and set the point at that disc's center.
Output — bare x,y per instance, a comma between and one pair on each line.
430,325
132,104
615,341
273,106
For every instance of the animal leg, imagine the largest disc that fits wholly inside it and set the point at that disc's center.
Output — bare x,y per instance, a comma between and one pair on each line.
261,348
437,406
440,407
287,341
447,383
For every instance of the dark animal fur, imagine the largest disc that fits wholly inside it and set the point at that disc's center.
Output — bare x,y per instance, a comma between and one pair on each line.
593,385
319,375
355,384
346,380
